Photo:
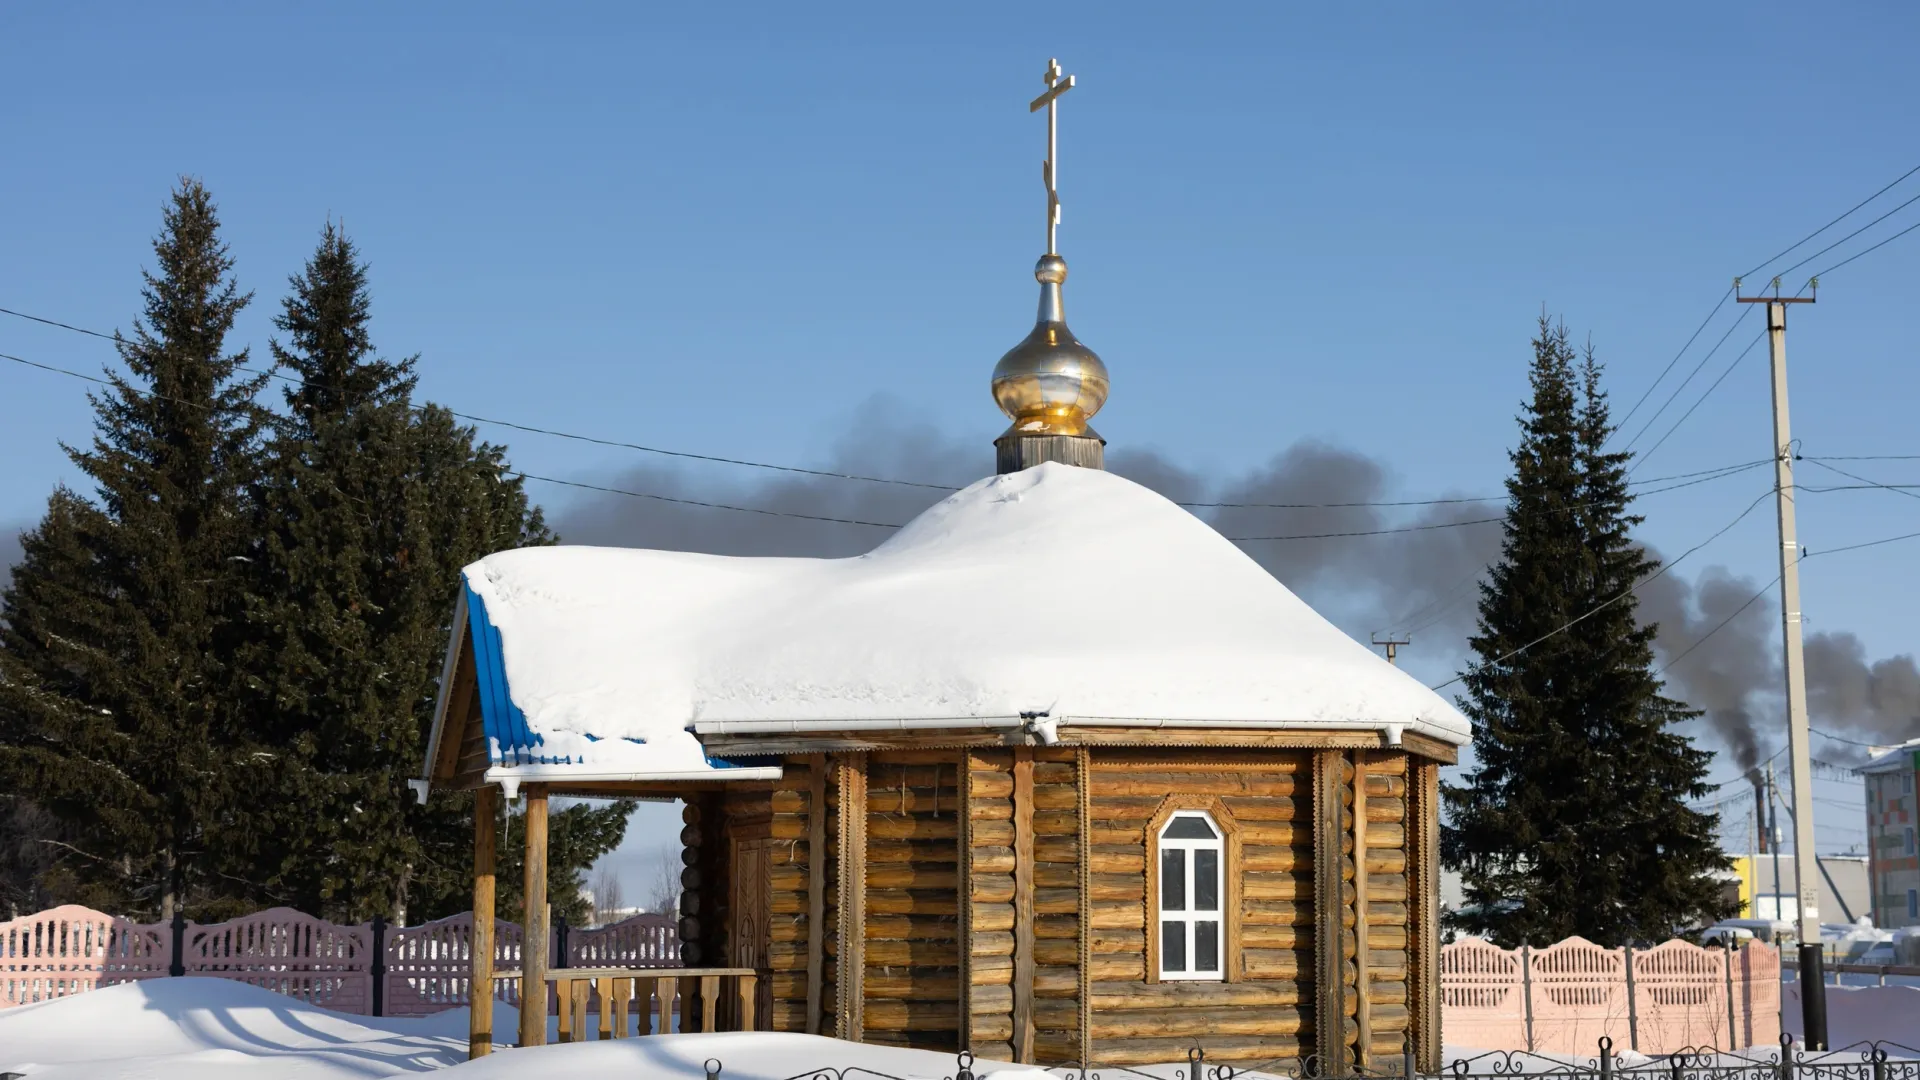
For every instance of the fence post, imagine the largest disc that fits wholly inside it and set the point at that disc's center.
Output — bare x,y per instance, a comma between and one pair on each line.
561,930
1526,990
379,965
178,967
1733,1029
1606,1057
1633,1008
1786,1054
1879,1063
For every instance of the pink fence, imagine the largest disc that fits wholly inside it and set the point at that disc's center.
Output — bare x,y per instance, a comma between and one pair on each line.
368,968
67,950
1563,998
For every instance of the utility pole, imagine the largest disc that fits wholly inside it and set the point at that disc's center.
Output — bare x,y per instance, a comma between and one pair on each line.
1800,764
1393,647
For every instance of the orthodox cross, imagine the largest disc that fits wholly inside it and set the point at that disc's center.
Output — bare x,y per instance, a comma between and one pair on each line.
1055,87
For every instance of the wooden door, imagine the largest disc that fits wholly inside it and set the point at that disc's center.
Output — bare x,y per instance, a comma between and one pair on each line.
750,914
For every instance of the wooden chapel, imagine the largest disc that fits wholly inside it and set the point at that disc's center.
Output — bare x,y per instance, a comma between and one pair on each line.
1056,774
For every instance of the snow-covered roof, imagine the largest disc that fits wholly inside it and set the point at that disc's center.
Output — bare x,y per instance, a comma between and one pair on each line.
1058,590
1900,758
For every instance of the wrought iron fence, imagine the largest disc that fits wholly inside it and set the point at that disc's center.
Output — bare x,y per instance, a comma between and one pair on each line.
1862,1061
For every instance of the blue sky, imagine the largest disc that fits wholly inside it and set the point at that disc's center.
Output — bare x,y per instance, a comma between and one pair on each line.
727,228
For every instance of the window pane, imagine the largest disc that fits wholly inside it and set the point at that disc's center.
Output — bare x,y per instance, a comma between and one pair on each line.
1190,828
1173,946
1206,879
1173,880
1206,946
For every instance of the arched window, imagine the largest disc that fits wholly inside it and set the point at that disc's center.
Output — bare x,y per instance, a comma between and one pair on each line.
1192,862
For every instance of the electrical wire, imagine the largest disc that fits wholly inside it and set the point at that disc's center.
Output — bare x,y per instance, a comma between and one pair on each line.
1702,400
1834,222
1764,590
1868,251
1610,601
1661,411
1724,297
1897,489
1848,237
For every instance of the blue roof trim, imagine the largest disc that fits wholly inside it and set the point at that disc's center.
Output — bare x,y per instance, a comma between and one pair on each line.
504,722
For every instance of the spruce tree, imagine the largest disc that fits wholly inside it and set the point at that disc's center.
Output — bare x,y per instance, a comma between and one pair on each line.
1574,816
115,696
368,508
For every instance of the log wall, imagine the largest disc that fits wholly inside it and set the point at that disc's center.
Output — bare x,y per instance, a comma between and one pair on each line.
1003,901
912,984
1264,1012
989,884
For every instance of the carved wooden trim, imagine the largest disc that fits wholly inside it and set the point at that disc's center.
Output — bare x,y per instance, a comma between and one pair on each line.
816,888
850,986
964,803
1363,1052
1329,982
1233,962
1023,959
1083,782
1423,866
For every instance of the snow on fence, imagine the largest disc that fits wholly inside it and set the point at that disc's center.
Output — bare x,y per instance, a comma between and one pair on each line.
1563,998
367,968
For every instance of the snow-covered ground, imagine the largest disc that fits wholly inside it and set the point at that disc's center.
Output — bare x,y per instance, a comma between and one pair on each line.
217,1029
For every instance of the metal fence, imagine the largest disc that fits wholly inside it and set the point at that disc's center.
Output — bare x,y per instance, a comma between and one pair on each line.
1863,1061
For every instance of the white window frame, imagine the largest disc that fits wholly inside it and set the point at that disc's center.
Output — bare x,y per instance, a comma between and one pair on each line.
1189,919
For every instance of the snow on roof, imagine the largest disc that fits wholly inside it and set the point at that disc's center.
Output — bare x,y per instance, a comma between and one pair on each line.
1893,758
1068,591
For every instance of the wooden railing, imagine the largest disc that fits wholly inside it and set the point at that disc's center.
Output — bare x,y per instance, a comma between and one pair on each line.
617,996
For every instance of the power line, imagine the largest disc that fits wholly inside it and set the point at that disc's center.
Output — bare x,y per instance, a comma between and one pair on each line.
1703,397
1897,489
510,471
1868,251
1729,471
1700,476
1850,236
1609,602
1655,418
1863,457
1835,221
697,502
1724,297
1764,590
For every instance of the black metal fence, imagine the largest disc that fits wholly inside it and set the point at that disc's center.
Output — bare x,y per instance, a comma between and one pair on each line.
1862,1061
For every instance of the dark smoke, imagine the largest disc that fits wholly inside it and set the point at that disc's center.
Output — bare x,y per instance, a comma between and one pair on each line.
1367,581
1735,674
1423,581
10,553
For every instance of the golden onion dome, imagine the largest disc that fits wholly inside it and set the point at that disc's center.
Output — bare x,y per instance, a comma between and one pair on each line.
1050,384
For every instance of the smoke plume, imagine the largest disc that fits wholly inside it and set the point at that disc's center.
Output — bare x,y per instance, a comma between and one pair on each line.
1423,581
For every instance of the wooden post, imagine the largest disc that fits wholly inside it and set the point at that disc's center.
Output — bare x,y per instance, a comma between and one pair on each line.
1023,904
1329,899
1363,1052
582,988
480,985
622,1004
563,1009
533,965
816,887
606,1009
851,780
